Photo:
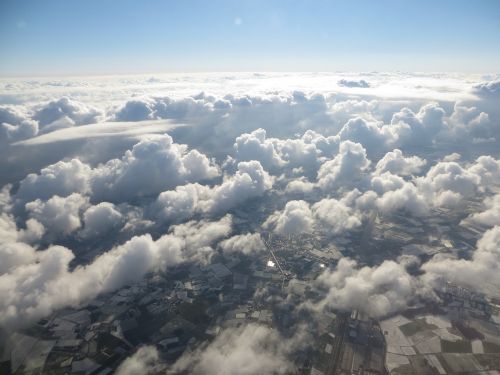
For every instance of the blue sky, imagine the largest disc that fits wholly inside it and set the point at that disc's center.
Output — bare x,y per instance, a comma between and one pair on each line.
64,37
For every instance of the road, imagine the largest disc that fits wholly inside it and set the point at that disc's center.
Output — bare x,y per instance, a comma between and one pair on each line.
341,326
368,229
268,245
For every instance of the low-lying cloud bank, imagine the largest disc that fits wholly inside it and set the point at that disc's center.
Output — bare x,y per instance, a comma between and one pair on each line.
249,349
34,283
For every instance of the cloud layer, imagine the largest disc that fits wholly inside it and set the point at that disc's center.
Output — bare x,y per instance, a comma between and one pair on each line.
153,170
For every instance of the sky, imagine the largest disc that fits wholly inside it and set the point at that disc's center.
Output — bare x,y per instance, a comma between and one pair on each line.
60,37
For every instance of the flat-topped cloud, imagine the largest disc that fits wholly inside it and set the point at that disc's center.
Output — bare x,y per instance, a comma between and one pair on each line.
102,130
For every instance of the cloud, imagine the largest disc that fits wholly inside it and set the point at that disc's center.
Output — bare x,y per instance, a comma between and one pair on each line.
101,219
249,243
59,215
249,181
142,362
347,83
181,203
78,113
136,110
376,291
254,146
374,138
15,254
216,119
12,133
488,89
345,169
454,156
61,178
307,151
199,235
298,216
249,349
299,185
418,129
491,215
102,130
336,216
446,183
386,182
9,231
295,218
395,163
14,248
469,121
407,198
150,167
42,281
347,108
147,108
12,115
16,124
487,168
430,126
481,272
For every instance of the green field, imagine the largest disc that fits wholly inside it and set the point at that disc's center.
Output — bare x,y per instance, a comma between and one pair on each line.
490,347
417,325
460,346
